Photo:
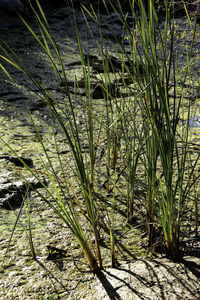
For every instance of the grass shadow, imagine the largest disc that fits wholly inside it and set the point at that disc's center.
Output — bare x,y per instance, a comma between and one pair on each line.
145,279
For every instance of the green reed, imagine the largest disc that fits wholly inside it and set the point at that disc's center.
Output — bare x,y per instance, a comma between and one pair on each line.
63,202
143,142
154,72
162,141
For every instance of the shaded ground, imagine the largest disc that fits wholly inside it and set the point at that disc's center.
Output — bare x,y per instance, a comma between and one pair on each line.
68,277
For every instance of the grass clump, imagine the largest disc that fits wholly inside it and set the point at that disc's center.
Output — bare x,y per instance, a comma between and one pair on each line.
133,142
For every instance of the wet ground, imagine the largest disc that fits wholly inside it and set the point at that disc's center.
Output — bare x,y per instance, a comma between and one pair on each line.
22,278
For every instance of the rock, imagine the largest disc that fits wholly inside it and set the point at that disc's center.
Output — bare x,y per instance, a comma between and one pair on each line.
13,189
37,104
17,161
99,91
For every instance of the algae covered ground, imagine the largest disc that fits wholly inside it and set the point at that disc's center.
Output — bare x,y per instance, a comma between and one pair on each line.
60,270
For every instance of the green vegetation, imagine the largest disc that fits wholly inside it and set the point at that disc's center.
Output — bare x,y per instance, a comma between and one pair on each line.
128,143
